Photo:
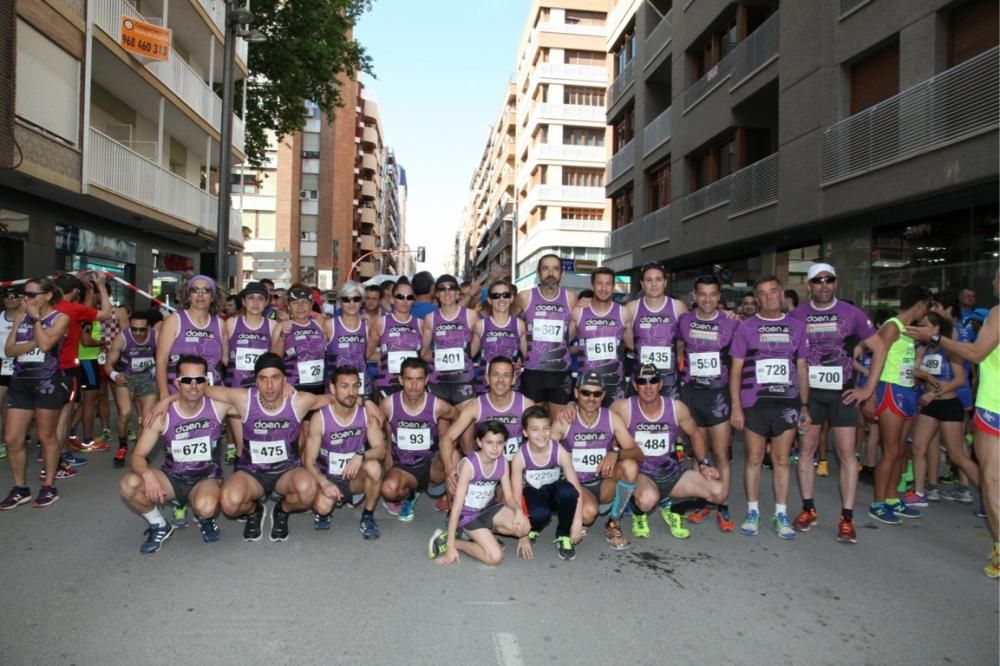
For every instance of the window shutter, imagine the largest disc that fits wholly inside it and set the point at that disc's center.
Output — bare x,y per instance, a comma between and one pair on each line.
48,84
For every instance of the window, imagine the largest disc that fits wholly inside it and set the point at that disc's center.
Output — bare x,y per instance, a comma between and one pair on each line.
713,162
624,129
579,17
621,209
583,136
310,142
583,96
624,52
658,187
874,78
245,184
48,85
592,58
583,177
582,214
972,29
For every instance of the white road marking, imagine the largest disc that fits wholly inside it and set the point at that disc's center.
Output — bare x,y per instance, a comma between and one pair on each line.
508,649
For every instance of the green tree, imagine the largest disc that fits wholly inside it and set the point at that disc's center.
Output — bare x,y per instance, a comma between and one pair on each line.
309,48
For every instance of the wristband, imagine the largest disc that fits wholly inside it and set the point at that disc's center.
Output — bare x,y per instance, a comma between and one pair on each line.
113,375
936,339
705,462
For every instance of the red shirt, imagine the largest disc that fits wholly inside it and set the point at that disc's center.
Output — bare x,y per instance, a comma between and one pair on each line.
77,314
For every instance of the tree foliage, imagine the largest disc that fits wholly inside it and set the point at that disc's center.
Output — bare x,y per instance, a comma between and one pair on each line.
309,48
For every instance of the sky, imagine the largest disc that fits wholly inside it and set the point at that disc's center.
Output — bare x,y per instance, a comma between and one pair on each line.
441,69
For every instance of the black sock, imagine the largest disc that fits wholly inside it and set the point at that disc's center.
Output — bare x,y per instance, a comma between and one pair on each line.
723,507
808,504
848,514
367,513
123,442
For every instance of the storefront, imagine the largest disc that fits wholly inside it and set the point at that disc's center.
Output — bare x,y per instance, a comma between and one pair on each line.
82,250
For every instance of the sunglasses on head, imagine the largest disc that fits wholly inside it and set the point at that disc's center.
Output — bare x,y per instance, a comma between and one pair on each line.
200,379
501,294
824,279
351,299
404,297
591,394
200,290
644,381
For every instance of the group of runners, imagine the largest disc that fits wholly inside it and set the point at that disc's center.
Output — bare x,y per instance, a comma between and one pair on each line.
546,406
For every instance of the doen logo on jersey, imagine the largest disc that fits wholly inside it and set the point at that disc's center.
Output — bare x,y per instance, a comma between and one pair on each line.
182,428
271,425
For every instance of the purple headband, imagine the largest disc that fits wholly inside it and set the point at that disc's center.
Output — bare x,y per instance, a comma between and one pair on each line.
210,281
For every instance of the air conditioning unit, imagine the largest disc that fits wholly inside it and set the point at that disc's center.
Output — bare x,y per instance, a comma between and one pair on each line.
308,194
310,154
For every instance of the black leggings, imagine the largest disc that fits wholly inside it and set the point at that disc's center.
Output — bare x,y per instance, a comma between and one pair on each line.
559,497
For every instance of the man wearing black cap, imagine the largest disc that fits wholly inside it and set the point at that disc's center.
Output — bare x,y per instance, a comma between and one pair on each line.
603,452
447,335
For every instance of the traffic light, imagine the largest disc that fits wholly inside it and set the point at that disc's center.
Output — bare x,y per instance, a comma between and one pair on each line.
421,253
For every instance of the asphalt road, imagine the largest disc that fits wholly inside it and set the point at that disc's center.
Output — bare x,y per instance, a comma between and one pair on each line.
75,590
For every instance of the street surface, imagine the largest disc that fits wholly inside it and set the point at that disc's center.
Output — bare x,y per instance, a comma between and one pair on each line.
76,590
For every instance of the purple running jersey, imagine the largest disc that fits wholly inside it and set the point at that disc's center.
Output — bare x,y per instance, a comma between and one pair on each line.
831,334
347,347
246,345
36,364
510,417
769,349
655,437
548,332
305,354
655,332
450,340
497,341
601,343
399,340
270,439
190,443
589,444
706,349
191,339
137,358
482,487
414,436
538,475
341,441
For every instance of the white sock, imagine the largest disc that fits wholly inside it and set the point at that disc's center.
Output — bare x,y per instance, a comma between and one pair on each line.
155,518
752,506
780,508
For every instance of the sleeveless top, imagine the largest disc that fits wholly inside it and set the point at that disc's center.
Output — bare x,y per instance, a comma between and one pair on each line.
270,439
305,353
191,339
245,347
900,359
414,436
510,417
497,341
539,475
348,347
988,395
36,364
548,332
190,443
6,364
137,358
482,488
398,341
450,340
341,441
589,444
654,332
655,437
601,340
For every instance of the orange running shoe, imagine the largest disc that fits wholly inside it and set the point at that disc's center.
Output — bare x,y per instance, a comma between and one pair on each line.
846,532
97,446
806,520
699,515
726,523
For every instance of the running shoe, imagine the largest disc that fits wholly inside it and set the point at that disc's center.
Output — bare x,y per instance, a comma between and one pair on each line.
699,515
105,435
932,494
564,546
120,454
3,451
883,513
783,527
210,532
180,517
675,522
369,528
155,536
846,532
751,526
392,508
981,511
46,496
948,478
640,526
63,471
438,543
406,508
132,437
533,535
823,468
913,498
230,454
806,519
443,503
279,523
254,526
992,570
73,461
96,446
963,495
321,522
726,523
74,443
17,496
614,536
903,510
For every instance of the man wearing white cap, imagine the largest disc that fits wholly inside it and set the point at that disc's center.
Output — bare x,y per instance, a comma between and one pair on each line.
833,328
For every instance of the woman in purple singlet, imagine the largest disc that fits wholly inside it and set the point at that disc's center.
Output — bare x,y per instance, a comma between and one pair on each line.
197,330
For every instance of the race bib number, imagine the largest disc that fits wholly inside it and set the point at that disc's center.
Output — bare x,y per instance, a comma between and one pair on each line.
310,372
539,478
141,363
586,461
336,462
653,444
413,439
772,371
7,367
36,355
602,349
906,373
932,364
826,377
449,359
195,450
511,447
661,357
246,359
545,330
705,364
267,453
102,357
480,494
395,359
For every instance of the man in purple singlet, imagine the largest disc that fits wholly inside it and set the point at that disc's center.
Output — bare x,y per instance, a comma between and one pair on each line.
130,367
190,474
654,325
604,332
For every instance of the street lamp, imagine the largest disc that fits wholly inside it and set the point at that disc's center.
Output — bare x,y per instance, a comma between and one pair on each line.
237,20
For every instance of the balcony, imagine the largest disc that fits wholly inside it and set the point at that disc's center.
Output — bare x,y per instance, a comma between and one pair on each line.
621,239
370,135
659,39
573,29
563,193
128,174
367,243
560,113
369,216
369,189
367,269
558,70
623,81
954,105
848,7
621,161
563,233
369,161
749,189
657,133
655,227
217,10
570,153
707,198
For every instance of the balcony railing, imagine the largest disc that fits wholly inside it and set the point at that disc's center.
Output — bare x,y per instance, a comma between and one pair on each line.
655,227
127,173
534,239
850,6
658,132
756,51
621,161
574,194
569,112
708,197
558,70
755,186
562,151
217,10
660,38
620,240
573,28
953,105
709,82
622,81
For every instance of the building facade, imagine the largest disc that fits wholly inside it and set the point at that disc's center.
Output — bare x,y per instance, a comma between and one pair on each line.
753,138
108,158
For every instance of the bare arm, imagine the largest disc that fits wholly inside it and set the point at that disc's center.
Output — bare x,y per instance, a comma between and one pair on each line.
626,442
477,338
735,379
425,338
974,352
164,341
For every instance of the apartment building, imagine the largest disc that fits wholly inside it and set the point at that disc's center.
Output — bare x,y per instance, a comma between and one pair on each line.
755,137
108,158
561,137
325,201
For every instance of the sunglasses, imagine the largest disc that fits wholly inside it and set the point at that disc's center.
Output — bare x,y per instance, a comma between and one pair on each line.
200,379
501,294
200,290
447,287
590,394
404,297
645,381
351,299
139,329
32,294
826,279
